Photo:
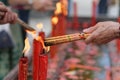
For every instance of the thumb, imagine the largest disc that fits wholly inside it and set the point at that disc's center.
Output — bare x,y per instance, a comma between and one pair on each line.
90,30
92,37
89,39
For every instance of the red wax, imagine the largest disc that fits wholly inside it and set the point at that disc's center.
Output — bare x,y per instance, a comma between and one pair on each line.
23,68
94,7
53,51
42,34
36,53
62,25
54,26
75,18
55,32
118,41
43,62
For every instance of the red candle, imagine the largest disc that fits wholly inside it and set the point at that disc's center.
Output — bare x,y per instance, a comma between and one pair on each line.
23,68
94,7
54,22
36,52
43,59
43,62
75,18
42,35
118,41
62,25
53,50
55,30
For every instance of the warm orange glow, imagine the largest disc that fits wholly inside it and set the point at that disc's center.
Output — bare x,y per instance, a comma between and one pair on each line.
64,7
39,25
27,46
55,20
58,8
38,38
41,40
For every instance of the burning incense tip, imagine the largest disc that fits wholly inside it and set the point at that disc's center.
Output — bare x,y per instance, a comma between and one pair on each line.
65,38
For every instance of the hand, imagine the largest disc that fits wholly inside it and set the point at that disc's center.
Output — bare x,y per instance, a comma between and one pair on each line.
103,32
6,15
3,9
43,5
9,17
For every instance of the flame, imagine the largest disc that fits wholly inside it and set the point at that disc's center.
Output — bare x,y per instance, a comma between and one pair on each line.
33,33
39,38
64,7
61,7
27,46
55,20
58,8
39,26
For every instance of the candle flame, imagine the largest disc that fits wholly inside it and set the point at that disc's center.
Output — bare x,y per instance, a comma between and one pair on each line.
39,38
33,33
58,8
64,7
39,26
27,46
55,20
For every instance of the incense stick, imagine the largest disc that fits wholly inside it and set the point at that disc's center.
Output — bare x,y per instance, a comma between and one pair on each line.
65,38
24,25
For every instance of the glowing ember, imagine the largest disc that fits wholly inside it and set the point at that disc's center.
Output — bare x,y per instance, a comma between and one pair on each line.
27,46
58,8
55,20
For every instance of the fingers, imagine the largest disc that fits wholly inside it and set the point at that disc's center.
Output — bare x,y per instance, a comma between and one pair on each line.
3,8
90,38
93,36
9,17
2,13
1,3
4,20
90,30
13,18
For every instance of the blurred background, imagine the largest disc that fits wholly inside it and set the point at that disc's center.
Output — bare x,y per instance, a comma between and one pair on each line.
71,61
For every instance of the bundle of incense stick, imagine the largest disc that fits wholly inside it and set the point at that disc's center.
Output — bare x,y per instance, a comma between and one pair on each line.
65,38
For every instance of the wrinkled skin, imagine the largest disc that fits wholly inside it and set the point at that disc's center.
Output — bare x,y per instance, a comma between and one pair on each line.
103,32
6,15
